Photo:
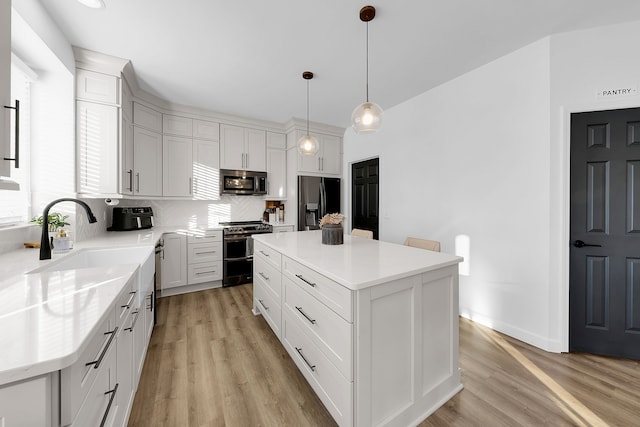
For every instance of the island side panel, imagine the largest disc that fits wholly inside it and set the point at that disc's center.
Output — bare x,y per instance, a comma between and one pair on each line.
407,348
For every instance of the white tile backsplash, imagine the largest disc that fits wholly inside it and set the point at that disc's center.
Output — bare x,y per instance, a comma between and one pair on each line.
199,213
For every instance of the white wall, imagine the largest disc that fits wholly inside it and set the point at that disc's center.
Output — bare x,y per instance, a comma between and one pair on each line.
471,157
486,155
582,62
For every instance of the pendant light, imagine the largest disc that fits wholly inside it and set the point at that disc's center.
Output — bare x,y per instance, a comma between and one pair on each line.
367,117
94,4
308,145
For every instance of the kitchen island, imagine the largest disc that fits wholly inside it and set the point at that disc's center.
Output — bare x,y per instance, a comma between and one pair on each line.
373,326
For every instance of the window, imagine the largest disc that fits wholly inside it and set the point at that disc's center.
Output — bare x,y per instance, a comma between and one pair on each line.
15,206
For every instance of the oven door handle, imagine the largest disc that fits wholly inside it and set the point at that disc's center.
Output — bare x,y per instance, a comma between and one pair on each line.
242,258
236,239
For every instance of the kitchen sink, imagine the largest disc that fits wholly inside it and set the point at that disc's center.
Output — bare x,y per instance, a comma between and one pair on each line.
91,258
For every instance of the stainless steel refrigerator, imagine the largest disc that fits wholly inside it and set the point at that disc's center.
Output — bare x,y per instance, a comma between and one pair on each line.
317,196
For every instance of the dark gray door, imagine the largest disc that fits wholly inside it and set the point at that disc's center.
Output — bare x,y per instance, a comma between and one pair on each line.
365,193
604,282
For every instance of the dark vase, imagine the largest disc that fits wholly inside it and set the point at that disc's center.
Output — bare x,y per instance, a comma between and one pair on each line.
332,234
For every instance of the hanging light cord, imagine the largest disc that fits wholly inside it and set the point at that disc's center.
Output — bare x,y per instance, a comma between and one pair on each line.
307,107
367,61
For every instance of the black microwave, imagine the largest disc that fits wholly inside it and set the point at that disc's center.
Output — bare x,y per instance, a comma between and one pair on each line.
243,182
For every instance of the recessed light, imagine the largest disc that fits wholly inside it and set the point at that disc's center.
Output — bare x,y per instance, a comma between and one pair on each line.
94,4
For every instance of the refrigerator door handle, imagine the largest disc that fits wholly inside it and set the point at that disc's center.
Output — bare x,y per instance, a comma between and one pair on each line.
323,200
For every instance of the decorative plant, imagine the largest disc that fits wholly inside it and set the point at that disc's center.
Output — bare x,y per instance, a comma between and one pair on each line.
55,220
334,218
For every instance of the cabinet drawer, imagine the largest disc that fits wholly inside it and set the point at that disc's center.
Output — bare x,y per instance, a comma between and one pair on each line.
328,331
326,380
126,302
94,86
268,274
176,125
96,407
336,297
208,236
282,228
204,272
272,256
268,306
203,252
147,117
76,380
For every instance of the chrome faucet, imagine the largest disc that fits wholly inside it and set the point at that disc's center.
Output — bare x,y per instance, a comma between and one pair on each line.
45,248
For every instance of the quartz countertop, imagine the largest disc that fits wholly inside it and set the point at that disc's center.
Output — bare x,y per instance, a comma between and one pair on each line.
46,317
358,263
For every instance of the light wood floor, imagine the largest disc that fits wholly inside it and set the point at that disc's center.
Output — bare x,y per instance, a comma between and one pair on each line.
212,363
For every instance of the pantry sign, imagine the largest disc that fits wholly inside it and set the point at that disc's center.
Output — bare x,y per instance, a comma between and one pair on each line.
617,92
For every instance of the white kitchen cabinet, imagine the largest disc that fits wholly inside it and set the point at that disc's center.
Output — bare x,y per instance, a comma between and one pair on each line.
206,170
328,159
203,129
242,148
125,367
176,125
126,157
147,118
276,166
174,261
97,87
177,166
147,161
204,257
6,115
97,145
27,403
282,228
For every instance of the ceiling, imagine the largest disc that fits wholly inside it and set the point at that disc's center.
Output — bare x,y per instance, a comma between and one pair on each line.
247,57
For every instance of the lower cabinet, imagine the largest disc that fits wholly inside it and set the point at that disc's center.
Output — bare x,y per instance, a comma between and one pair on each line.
27,403
174,261
204,258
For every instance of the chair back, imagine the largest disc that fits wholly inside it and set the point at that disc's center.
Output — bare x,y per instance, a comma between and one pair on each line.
430,245
368,234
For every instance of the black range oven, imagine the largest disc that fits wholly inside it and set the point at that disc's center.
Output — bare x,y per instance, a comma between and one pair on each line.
237,250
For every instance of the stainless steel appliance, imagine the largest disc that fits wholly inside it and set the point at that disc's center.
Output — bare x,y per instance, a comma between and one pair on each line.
317,196
237,250
243,182
125,219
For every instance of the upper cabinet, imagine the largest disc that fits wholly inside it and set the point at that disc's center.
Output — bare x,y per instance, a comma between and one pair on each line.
328,159
97,136
242,148
276,166
97,87
191,166
5,87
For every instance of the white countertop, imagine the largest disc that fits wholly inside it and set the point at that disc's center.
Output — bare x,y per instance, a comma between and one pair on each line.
358,263
45,318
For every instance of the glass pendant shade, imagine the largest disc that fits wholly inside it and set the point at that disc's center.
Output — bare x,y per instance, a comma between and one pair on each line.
94,4
308,145
367,117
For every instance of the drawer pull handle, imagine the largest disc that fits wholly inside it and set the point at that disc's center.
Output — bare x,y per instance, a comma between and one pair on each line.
133,295
263,276
262,304
312,321
150,306
111,398
312,367
206,252
204,272
96,363
299,276
264,253
133,324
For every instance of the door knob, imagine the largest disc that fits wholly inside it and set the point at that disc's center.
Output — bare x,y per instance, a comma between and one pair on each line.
581,244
